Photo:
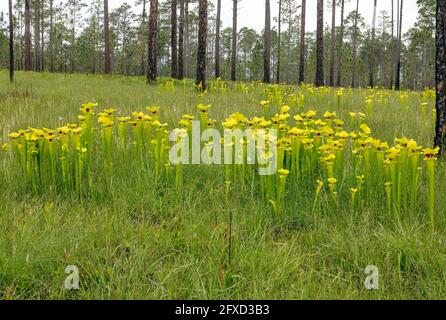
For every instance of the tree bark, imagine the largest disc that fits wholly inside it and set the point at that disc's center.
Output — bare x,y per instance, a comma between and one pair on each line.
28,61
372,53
341,44
153,37
202,39
398,59
234,41
107,62
267,44
186,40
181,43
143,40
279,42
392,63
42,36
355,36
333,42
319,81
173,39
11,42
217,40
51,38
302,44
440,76
36,9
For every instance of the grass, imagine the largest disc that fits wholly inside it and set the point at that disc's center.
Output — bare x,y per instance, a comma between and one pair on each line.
137,240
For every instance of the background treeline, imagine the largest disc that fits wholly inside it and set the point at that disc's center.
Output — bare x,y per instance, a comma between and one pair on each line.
68,36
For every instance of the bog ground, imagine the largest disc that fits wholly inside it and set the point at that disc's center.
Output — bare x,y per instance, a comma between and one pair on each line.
135,236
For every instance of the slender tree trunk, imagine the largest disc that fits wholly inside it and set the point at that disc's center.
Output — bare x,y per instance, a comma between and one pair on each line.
267,44
341,45
73,40
42,36
201,51
28,61
440,77
398,61
51,38
234,41
11,42
279,42
372,52
143,40
392,61
36,35
333,43
107,62
355,36
173,39
319,81
290,16
153,45
186,40
94,58
217,40
302,44
181,43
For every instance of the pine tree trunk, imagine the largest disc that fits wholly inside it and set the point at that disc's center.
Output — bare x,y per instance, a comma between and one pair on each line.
234,41
319,81
186,40
152,45
42,36
279,42
398,61
392,61
341,45
372,50
355,36
333,42
217,40
51,38
267,44
173,39
302,44
440,77
201,51
107,62
181,43
73,40
36,35
11,42
143,40
28,61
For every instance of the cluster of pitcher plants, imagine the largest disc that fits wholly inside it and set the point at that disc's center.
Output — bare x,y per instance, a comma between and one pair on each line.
319,156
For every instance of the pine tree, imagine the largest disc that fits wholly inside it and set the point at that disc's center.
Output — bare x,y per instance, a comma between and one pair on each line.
28,61
440,76
319,81
202,42
107,62
173,39
302,44
11,42
267,44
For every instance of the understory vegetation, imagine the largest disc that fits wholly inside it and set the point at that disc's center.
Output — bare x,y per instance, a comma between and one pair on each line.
357,186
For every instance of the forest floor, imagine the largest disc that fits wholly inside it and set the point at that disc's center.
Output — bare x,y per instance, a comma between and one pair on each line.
140,240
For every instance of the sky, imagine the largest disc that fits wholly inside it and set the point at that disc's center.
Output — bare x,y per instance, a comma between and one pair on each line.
251,12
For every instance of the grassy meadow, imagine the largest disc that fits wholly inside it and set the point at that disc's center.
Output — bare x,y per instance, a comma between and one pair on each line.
134,238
